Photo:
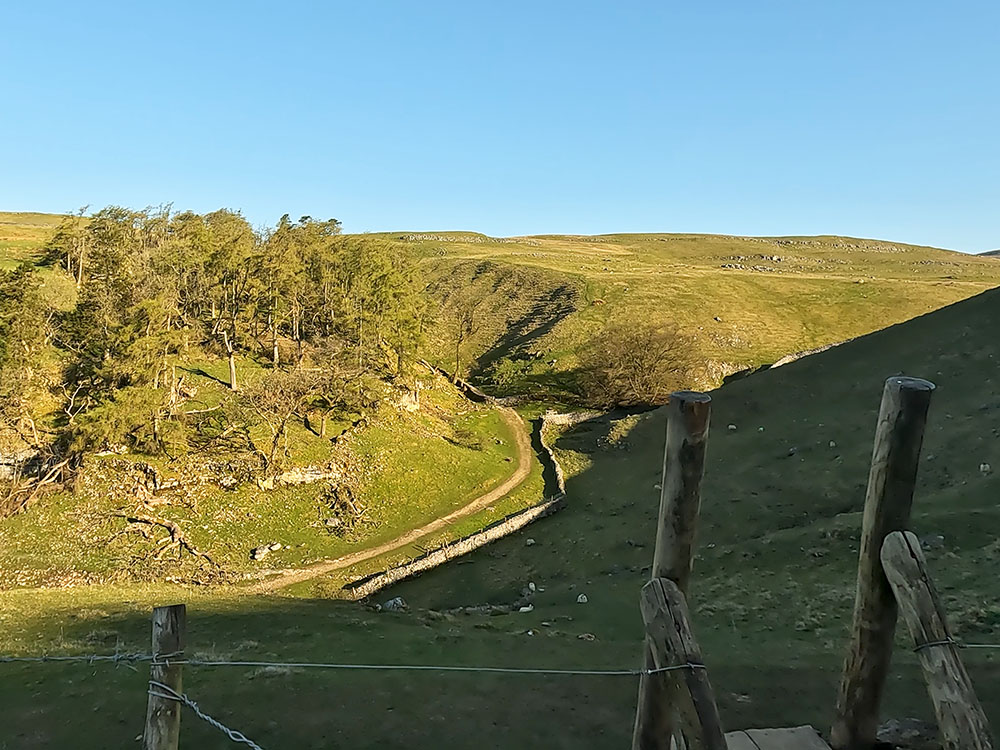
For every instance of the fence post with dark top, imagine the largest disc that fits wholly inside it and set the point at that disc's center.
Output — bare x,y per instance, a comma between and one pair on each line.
898,437
688,416
672,643
163,716
960,716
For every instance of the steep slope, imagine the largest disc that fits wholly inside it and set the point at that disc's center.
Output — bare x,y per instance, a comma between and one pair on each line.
781,519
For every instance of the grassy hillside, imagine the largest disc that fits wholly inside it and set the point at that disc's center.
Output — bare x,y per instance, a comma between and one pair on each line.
403,470
745,301
22,234
771,595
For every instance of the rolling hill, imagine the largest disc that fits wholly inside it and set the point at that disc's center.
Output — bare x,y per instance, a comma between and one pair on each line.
743,301
771,593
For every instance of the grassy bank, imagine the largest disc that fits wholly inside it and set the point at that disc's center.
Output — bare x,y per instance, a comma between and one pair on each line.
772,590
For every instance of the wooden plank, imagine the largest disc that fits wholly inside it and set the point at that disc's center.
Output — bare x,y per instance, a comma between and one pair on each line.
960,716
793,738
898,437
163,716
739,740
672,643
688,415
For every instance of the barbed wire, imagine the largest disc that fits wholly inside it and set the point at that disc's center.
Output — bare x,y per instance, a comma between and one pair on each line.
178,659
435,668
953,642
126,658
159,690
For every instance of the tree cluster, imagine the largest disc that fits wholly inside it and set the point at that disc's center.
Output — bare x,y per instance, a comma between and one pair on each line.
635,365
157,289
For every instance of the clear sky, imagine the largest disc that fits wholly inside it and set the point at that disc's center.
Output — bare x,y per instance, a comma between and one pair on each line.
866,118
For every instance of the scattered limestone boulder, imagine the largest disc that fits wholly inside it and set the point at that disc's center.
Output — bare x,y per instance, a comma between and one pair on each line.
932,542
259,553
396,604
985,469
909,734
581,599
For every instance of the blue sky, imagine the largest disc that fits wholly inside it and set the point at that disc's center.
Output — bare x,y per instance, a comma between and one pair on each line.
875,119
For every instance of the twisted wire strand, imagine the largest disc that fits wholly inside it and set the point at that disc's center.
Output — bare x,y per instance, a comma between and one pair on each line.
952,642
159,690
126,658
177,658
437,668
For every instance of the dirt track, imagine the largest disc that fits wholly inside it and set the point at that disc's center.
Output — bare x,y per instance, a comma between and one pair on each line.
315,570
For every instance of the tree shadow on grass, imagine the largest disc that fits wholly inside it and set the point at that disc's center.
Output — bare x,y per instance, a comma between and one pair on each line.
544,315
204,374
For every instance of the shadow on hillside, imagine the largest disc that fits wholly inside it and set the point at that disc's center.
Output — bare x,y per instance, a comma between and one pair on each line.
550,482
204,374
519,334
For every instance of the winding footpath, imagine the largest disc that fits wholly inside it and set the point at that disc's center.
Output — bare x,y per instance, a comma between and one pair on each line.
523,444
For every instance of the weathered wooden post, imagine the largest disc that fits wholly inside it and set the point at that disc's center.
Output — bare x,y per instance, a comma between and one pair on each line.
960,716
898,437
163,716
671,643
688,416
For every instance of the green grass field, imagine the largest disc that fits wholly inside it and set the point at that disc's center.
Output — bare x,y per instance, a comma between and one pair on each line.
744,301
774,575
771,595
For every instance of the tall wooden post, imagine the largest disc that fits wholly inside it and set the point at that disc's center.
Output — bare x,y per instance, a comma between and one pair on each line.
688,416
898,437
163,716
960,716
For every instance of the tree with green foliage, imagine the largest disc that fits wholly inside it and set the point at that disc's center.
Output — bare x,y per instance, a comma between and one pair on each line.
24,331
635,365
156,286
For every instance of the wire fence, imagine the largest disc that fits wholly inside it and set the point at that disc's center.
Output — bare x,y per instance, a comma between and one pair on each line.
160,690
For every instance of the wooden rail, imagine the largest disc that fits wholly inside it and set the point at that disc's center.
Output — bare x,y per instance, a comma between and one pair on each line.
672,643
960,716
688,415
898,439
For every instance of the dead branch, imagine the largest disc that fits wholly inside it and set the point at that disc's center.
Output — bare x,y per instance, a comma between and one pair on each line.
177,537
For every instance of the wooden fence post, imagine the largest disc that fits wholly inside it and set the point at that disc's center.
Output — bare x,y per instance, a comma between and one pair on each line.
163,716
898,438
960,716
671,643
688,416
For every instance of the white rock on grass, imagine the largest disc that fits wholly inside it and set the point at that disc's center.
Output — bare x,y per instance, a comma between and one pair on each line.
396,604
528,542
581,599
526,608
985,469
